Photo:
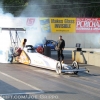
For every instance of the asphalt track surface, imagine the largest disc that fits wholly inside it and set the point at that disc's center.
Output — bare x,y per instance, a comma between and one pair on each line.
22,82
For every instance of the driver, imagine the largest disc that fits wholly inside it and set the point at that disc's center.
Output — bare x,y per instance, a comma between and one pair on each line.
19,49
23,43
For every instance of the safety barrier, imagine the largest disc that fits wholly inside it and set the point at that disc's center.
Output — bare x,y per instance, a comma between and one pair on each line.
86,57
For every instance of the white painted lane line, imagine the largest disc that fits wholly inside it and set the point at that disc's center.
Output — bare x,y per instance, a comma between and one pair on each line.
33,87
1,98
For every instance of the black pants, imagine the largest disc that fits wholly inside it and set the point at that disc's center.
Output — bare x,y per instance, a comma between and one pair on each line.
60,54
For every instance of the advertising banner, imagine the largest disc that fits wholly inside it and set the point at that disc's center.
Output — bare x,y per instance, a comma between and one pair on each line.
29,23
45,25
88,25
67,25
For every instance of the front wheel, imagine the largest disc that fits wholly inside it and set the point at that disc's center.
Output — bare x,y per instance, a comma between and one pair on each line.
58,68
75,65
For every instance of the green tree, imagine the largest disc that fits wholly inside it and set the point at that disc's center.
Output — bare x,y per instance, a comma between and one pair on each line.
14,6
75,8
95,8
53,8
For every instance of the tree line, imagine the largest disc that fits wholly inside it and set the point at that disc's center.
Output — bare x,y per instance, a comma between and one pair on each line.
53,8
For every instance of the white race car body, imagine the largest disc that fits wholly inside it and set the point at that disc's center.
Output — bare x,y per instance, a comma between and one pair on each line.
40,60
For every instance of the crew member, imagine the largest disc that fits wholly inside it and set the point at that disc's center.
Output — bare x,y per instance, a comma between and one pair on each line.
60,46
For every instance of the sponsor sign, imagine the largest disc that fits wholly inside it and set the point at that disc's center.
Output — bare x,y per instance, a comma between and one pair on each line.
29,23
88,25
67,25
45,25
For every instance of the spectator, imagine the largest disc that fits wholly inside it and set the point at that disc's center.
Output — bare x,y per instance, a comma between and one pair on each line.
60,48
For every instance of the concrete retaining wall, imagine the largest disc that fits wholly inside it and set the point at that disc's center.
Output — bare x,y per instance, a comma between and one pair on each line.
91,58
86,40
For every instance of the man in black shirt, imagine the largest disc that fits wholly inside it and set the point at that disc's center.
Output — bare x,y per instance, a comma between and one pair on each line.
60,46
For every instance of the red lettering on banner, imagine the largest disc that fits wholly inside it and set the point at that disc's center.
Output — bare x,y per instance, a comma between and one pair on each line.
30,21
88,25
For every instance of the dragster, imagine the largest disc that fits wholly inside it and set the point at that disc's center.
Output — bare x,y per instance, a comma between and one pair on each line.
30,56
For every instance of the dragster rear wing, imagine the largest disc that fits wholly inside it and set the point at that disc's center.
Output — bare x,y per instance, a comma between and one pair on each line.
15,40
13,29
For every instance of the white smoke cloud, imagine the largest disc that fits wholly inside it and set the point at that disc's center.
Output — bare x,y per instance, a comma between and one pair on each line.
34,37
5,21
33,33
